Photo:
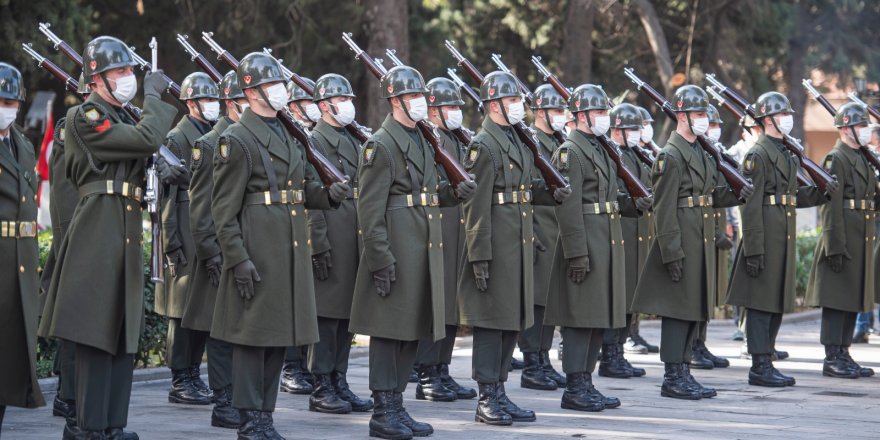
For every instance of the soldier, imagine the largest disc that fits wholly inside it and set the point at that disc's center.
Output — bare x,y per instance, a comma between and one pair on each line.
535,341
701,357
841,278
336,248
398,296
198,311
185,347
433,358
763,280
301,104
266,298
675,283
101,311
20,253
637,234
499,228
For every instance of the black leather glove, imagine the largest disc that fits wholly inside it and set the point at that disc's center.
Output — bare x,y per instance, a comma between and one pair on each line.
245,274
746,192
176,259
465,190
383,278
560,194
644,204
675,268
481,275
835,262
754,265
832,186
154,84
170,175
338,191
322,263
215,267
722,241
578,267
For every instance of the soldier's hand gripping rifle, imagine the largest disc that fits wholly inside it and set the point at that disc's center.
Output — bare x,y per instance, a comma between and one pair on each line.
870,156
634,185
360,132
327,172
551,175
454,171
855,98
526,92
726,165
816,173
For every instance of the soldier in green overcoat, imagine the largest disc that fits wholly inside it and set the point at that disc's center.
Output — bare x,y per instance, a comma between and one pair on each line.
842,276
262,188
678,280
19,253
500,235
399,297
101,311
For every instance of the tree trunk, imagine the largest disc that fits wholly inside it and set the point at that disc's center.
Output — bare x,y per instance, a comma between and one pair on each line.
577,42
657,40
387,27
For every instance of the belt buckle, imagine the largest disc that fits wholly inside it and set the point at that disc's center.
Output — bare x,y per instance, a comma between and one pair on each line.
125,189
4,229
500,197
863,204
615,206
596,208
355,192
607,207
409,200
299,196
138,194
26,229
109,185
284,197
527,196
773,199
435,200
424,199
267,197
514,197
690,202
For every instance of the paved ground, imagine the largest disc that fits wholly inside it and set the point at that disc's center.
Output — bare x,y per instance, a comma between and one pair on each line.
816,408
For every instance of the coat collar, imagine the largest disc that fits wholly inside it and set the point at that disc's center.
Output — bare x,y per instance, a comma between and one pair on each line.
499,133
405,141
590,147
189,129
772,147
266,136
221,125
6,157
853,157
548,142
688,152
338,141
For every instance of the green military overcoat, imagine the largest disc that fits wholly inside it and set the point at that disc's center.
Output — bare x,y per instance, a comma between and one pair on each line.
685,233
396,162
770,228
546,228
19,275
273,236
638,232
97,295
452,223
848,232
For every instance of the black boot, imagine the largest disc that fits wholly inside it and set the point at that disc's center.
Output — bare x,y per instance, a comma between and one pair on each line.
639,340
183,391
761,373
224,415
430,387
293,379
699,359
609,402
340,384
75,433
853,365
251,427
488,409
779,355
835,364
450,383
636,372
717,361
609,364
576,396
324,399
63,408
120,434
195,378
705,392
533,375
419,429
385,422
516,413
551,372
516,364
269,426
789,381
675,384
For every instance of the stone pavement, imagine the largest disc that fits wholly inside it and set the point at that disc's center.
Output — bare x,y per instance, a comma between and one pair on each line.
817,407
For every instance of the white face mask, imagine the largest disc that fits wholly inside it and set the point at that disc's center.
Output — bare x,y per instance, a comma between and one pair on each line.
633,137
647,133
276,96
312,112
7,117
785,124
344,112
211,110
601,124
699,125
126,88
515,113
418,108
557,122
750,139
453,119
714,134
864,136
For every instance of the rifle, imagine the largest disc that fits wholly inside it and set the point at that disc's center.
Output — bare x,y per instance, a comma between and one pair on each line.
454,171
634,185
871,157
468,90
551,175
462,134
816,173
873,111
69,82
725,164
527,94
327,172
199,59
360,132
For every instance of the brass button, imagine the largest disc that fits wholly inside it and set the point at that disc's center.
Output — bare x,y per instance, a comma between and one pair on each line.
430,245
524,241
622,242
35,197
309,242
522,187
867,217
511,166
290,183
612,216
430,217
640,238
441,245
705,240
425,189
788,214
461,221
23,199
612,242
295,243
128,208
441,216
533,239
360,232
788,237
127,240
293,212
21,269
705,215
524,214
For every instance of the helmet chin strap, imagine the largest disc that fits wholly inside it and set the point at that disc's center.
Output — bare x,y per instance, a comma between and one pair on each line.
264,97
442,118
690,123
773,121
855,136
589,121
504,111
405,108
547,119
103,76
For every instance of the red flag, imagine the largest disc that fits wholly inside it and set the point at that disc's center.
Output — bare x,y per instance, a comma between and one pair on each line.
45,147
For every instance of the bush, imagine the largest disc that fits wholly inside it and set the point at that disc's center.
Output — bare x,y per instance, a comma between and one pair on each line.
806,250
